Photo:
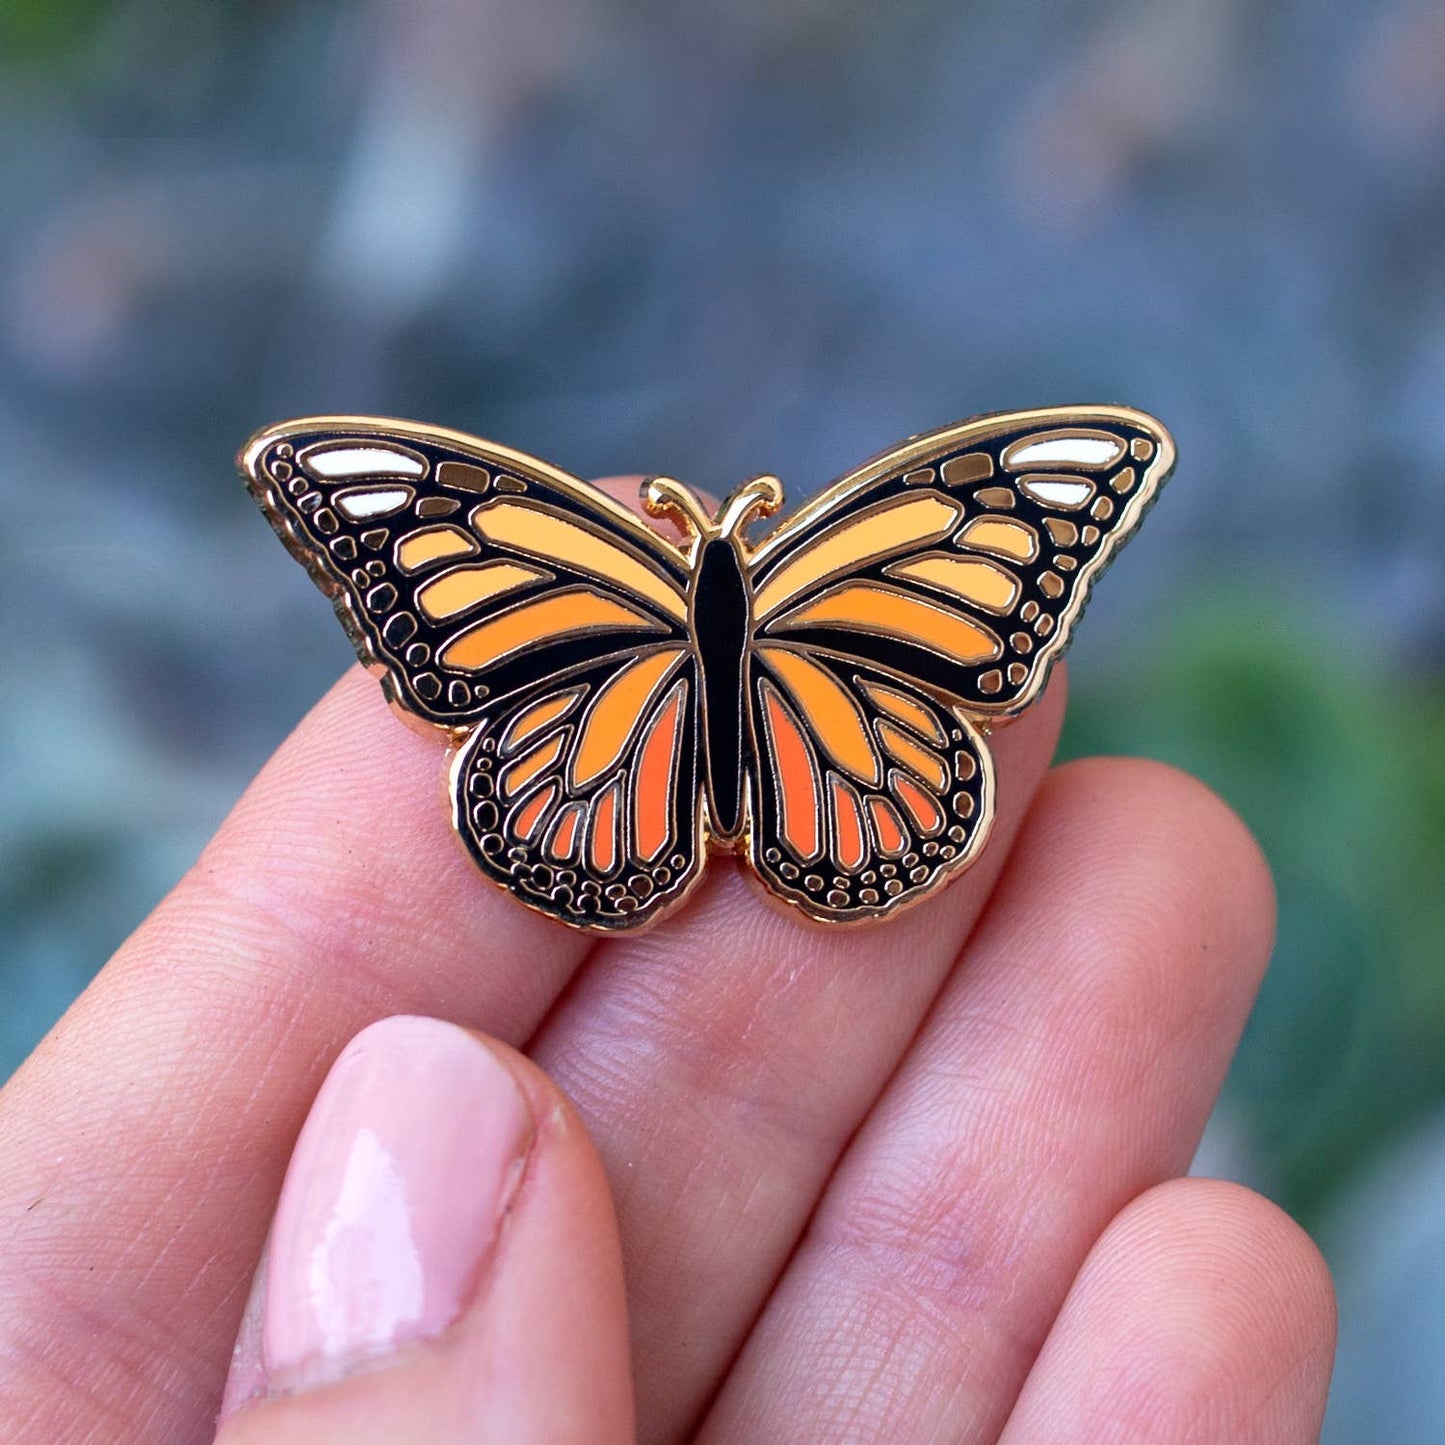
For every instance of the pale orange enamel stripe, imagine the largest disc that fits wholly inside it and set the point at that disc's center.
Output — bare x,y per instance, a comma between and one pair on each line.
431,546
799,805
835,719
872,607
525,769
971,579
905,522
1000,534
652,788
464,588
545,535
614,713
549,619
907,710
536,717
928,765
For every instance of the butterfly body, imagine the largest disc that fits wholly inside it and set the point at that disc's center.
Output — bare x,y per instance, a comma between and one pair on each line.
620,704
721,622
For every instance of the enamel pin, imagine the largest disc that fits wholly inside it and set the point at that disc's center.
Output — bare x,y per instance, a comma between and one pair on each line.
617,704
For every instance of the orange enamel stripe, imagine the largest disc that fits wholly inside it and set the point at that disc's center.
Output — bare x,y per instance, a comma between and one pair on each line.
928,765
887,827
536,717
563,842
614,714
907,710
525,769
656,775
871,607
548,619
1002,535
602,841
431,546
465,587
849,843
836,721
544,534
799,804
971,579
527,818
923,809
904,522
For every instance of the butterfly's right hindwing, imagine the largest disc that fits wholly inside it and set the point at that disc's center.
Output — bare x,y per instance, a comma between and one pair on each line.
582,797
464,571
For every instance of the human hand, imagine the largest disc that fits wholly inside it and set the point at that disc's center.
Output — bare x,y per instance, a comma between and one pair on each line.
919,1182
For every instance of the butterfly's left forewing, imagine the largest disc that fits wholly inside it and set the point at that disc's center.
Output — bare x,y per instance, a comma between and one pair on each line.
462,571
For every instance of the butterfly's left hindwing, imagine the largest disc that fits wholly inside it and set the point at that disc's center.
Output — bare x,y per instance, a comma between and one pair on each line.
464,571
582,797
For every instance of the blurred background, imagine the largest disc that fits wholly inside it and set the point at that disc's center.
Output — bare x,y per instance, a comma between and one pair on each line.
772,234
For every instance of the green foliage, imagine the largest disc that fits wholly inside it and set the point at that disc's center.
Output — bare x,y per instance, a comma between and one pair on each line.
42,30
1337,765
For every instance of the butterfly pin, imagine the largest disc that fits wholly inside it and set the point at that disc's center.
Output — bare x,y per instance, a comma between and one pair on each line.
618,704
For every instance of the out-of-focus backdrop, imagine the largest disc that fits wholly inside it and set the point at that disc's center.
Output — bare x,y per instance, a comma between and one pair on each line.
772,234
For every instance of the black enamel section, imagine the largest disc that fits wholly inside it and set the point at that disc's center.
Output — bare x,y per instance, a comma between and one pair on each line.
721,624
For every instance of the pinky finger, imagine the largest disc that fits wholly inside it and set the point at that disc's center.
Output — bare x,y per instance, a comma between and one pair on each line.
1203,1314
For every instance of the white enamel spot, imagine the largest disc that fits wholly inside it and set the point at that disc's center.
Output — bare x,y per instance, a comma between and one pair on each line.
362,503
1057,491
1083,449
353,461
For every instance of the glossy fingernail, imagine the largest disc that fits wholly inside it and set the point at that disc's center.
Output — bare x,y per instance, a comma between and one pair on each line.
392,1201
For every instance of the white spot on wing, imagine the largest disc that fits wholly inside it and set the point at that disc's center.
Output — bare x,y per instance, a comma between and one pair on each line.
364,461
1057,491
1092,449
361,503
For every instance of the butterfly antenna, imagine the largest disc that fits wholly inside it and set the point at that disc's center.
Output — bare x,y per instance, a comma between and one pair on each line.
667,497
757,497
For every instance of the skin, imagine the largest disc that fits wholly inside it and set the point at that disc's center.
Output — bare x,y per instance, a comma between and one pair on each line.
920,1182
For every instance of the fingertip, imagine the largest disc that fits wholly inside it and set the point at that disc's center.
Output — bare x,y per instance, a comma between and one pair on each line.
1204,1312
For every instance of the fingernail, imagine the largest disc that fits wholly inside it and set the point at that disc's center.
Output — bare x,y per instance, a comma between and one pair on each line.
392,1201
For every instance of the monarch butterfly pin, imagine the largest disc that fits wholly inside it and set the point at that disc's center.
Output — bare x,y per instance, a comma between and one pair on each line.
817,701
